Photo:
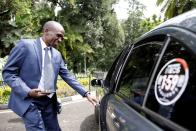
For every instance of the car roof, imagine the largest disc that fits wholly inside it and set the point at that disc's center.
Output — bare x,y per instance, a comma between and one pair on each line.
186,20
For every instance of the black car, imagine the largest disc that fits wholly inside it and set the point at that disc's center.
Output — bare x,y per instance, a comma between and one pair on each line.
151,86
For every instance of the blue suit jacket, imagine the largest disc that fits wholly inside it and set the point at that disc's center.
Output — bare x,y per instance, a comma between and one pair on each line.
22,73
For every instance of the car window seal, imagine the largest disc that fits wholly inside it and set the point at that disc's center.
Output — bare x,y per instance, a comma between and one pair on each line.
123,65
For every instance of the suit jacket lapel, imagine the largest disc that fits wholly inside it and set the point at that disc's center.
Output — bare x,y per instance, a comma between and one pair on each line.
38,50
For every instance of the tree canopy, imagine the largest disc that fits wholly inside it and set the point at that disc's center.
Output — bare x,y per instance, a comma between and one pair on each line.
93,34
175,7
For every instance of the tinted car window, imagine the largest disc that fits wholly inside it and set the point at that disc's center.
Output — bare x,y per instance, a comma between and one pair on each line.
135,75
173,92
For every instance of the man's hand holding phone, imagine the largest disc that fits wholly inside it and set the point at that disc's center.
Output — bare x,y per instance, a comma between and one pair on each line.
47,92
36,93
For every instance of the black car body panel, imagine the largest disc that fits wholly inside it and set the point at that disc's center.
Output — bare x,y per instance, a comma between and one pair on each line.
119,116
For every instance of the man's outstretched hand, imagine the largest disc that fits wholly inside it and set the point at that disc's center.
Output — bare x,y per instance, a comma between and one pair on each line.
92,99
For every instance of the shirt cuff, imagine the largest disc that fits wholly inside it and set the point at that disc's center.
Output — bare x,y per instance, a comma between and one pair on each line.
86,93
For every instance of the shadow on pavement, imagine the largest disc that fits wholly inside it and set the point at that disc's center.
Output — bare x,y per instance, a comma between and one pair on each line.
16,120
89,124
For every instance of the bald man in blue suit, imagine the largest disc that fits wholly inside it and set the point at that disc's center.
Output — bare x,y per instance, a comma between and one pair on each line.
24,73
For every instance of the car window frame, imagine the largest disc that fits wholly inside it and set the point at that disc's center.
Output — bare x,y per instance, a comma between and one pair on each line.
145,110
145,40
136,45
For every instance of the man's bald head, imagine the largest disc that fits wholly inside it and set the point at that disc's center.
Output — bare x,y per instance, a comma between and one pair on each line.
53,25
53,33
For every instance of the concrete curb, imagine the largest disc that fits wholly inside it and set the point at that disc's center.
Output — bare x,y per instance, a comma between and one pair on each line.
3,106
65,99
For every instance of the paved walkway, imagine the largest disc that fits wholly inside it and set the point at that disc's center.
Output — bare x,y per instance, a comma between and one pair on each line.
77,115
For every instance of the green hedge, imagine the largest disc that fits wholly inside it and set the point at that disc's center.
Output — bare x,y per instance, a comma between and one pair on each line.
4,94
63,89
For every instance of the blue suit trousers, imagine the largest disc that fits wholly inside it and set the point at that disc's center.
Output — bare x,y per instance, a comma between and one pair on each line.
41,115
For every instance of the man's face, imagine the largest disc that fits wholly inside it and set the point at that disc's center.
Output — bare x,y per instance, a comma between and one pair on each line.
54,37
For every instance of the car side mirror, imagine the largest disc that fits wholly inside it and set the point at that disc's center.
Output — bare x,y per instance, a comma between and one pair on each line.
96,82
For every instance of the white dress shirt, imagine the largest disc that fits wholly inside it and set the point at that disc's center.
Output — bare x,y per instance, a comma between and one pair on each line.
41,83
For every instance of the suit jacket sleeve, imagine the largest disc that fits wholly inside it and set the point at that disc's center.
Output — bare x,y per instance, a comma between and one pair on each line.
12,68
70,79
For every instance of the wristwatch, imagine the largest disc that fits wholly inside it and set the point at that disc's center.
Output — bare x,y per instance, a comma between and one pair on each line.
86,93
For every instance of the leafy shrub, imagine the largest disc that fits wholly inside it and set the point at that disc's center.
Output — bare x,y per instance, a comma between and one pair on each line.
84,81
63,89
4,94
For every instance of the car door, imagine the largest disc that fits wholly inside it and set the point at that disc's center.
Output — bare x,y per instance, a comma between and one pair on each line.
122,105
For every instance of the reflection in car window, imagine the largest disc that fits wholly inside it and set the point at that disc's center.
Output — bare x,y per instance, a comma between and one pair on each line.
112,73
183,110
134,78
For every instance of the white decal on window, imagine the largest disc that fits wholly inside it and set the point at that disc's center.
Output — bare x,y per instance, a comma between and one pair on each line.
171,81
